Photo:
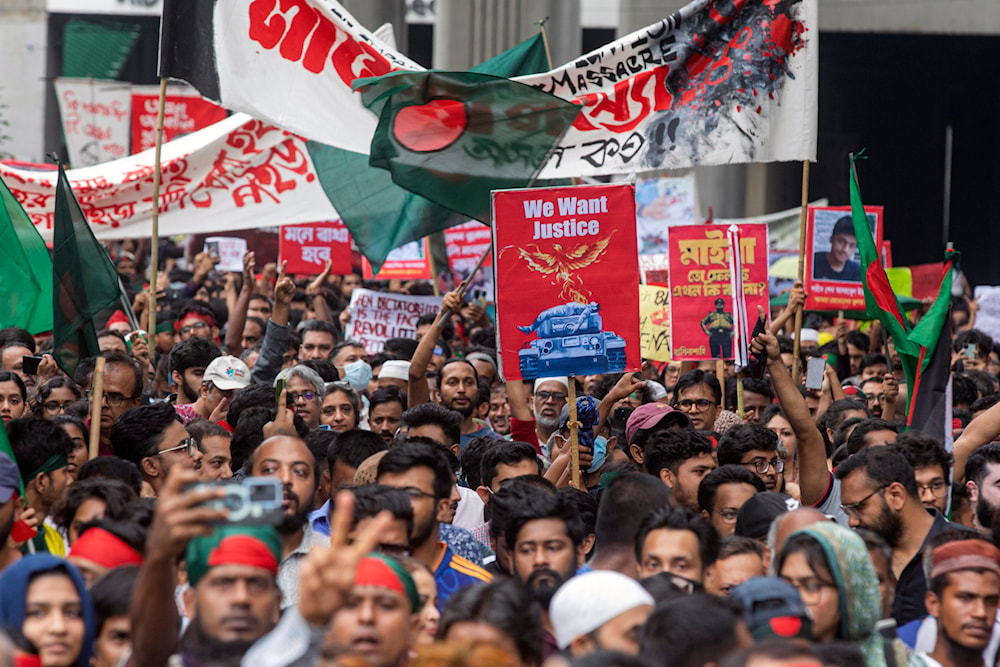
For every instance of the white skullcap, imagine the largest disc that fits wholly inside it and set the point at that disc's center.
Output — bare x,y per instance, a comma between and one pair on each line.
588,601
562,379
810,335
395,370
657,389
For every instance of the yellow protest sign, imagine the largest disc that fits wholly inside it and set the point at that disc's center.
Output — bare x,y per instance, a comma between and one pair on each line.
654,322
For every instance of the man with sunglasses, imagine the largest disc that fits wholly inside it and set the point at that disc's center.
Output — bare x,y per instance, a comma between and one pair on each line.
878,491
153,438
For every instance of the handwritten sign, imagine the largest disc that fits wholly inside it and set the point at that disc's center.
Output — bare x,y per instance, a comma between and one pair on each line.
95,117
185,111
378,316
307,247
408,262
701,304
567,263
654,322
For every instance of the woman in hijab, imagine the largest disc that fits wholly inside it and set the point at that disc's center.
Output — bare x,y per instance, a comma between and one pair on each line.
46,599
831,568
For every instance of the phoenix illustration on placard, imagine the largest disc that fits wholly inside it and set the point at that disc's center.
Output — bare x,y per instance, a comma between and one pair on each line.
562,265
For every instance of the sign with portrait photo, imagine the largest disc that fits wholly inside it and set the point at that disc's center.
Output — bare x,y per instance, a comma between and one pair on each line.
833,265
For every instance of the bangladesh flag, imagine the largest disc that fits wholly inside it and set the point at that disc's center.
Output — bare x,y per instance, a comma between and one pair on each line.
453,137
84,281
917,346
26,276
382,215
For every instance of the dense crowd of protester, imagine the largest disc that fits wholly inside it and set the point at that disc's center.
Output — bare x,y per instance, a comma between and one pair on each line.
263,492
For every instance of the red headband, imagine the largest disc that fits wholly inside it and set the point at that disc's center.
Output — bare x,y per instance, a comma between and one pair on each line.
243,550
117,317
375,572
187,316
105,549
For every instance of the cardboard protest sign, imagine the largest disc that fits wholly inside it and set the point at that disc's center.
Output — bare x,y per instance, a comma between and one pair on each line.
230,250
567,261
185,111
654,322
701,303
378,316
407,262
307,247
95,118
833,266
660,203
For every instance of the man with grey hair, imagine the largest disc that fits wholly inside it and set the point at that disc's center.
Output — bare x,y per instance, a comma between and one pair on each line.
547,403
786,524
304,392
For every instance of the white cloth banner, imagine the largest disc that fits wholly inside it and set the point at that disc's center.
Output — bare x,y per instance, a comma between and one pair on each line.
706,85
240,173
96,117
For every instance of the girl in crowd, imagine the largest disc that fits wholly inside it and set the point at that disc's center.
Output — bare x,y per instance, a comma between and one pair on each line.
55,396
13,396
831,568
341,407
45,598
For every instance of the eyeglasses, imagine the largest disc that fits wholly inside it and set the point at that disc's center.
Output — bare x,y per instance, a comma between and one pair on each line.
112,398
875,398
810,590
55,406
557,396
189,445
306,396
196,326
415,494
938,489
854,509
728,515
762,466
701,404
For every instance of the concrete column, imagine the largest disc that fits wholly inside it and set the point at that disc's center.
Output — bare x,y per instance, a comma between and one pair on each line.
471,31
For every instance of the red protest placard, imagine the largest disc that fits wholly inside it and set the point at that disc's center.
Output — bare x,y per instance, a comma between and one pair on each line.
465,244
409,262
701,303
307,247
185,111
833,267
926,280
567,269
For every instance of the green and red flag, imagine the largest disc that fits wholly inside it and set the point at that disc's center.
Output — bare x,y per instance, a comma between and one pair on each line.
84,281
26,276
453,137
382,215
917,346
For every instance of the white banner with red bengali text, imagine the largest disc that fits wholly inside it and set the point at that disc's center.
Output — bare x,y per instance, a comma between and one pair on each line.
240,173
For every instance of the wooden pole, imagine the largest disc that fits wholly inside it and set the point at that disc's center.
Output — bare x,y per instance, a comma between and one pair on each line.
574,440
96,399
797,346
739,396
154,257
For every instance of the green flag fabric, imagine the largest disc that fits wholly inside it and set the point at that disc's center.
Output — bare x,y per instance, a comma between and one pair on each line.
915,345
453,137
26,282
84,281
382,215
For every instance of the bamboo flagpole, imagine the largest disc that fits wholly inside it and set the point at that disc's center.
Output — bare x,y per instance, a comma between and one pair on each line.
574,435
154,258
797,346
96,401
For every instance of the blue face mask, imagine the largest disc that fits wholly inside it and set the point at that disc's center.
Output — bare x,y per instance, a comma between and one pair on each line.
600,453
357,374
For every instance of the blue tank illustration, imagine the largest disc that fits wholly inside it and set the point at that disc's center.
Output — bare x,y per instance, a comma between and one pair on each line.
571,341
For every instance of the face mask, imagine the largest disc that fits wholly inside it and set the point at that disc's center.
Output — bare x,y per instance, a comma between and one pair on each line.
357,374
600,453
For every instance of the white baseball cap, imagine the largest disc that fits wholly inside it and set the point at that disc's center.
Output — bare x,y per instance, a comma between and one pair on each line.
227,373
